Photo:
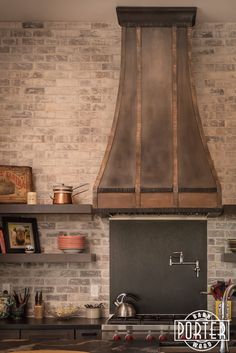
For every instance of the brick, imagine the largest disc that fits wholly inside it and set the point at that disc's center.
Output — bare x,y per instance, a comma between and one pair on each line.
45,66
56,297
34,90
4,82
90,273
68,289
55,58
20,33
22,66
32,41
79,281
32,25
4,49
42,33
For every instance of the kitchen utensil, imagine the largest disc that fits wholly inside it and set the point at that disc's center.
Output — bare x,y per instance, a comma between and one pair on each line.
125,309
63,194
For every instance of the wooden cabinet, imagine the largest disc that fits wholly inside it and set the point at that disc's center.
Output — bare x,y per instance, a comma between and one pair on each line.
45,335
5,334
50,329
88,334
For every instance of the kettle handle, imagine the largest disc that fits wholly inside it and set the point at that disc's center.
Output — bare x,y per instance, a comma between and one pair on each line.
51,197
132,296
122,296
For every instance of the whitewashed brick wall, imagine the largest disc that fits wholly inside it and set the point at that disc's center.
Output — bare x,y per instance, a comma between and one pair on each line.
58,87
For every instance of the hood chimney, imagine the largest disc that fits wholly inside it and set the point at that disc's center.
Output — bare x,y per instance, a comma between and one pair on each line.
157,156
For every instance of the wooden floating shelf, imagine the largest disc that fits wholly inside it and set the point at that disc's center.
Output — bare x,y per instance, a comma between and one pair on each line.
229,257
45,209
87,209
47,258
229,209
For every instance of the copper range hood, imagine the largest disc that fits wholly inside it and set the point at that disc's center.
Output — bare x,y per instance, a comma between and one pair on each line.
157,156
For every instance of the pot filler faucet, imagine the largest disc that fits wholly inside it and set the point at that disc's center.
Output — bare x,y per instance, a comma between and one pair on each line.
224,313
179,256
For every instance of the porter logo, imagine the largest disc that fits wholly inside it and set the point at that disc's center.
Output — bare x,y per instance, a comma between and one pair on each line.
201,330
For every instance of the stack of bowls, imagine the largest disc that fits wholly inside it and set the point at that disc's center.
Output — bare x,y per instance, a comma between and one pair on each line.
232,245
71,244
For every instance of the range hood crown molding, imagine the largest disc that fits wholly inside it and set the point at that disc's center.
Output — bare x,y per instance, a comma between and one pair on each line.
157,157
156,16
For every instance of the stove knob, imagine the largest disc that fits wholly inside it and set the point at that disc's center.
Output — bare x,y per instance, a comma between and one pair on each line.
163,338
150,337
128,337
116,337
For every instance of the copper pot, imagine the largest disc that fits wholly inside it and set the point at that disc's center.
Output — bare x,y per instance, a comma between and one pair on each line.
63,194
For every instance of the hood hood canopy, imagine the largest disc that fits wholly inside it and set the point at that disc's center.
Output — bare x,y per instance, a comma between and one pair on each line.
157,156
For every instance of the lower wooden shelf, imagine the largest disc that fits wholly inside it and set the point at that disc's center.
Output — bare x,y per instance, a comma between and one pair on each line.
42,257
229,257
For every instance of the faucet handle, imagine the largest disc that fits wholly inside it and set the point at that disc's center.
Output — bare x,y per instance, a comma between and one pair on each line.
180,255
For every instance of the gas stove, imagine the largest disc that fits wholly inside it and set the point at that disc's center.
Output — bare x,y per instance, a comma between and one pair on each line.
148,327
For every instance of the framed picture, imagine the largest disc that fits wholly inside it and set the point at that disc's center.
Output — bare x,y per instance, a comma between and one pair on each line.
19,232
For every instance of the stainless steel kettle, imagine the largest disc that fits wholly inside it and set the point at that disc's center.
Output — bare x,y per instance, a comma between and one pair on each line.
124,309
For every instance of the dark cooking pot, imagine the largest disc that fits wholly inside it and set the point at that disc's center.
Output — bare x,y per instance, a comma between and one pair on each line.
63,194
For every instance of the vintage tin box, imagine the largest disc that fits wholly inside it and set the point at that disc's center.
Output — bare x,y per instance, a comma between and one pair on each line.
15,182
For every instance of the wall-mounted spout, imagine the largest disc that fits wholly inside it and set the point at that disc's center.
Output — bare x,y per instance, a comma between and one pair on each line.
180,261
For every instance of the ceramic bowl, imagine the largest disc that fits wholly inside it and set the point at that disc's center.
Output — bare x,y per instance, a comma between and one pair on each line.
65,312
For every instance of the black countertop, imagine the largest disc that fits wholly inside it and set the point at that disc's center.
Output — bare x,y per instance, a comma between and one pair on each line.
96,346
90,346
51,323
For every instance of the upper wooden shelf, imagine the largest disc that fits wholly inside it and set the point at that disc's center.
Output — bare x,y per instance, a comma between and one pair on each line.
47,258
87,209
45,209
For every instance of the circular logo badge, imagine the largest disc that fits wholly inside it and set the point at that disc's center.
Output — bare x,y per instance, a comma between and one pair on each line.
198,335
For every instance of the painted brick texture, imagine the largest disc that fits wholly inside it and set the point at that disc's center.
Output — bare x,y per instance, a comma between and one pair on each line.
58,87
